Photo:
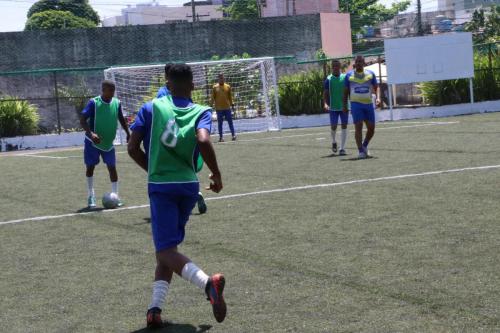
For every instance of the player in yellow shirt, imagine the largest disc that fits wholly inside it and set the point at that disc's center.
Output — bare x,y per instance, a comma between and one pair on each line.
222,101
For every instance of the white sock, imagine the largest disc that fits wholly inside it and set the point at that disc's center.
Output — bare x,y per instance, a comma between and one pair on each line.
90,186
160,291
114,187
334,134
193,274
343,136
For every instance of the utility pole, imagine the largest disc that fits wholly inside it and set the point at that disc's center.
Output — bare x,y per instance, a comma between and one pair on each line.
193,7
420,28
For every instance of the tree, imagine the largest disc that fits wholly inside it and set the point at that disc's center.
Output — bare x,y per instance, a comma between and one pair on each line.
56,19
242,9
370,12
485,26
79,8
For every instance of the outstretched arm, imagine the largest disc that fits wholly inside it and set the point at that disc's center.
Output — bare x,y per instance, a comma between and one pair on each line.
346,98
135,151
208,153
123,122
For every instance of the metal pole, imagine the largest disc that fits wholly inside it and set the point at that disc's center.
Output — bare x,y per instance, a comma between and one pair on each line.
420,29
56,94
380,83
266,96
471,89
276,95
193,8
389,88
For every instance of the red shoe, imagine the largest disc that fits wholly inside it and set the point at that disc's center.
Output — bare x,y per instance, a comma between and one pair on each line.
153,318
214,291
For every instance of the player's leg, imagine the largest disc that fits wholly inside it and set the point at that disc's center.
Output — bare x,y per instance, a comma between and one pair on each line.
334,120
229,118
109,158
202,206
358,117
344,120
91,159
169,215
370,126
220,124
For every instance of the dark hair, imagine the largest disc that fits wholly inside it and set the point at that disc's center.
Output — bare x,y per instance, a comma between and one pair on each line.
180,74
167,68
109,84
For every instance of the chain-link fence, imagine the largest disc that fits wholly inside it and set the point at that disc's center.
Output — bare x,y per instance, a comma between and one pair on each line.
60,94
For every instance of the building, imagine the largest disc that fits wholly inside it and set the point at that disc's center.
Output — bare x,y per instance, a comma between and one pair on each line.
154,13
270,8
446,5
404,25
465,8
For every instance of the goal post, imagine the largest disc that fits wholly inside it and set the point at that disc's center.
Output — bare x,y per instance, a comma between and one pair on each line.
253,82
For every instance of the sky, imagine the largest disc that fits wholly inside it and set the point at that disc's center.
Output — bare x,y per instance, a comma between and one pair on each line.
13,12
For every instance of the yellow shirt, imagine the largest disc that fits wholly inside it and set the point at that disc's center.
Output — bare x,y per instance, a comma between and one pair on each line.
222,97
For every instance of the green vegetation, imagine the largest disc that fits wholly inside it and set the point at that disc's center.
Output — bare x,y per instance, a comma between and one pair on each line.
485,25
403,255
301,93
76,94
79,8
17,117
242,9
56,19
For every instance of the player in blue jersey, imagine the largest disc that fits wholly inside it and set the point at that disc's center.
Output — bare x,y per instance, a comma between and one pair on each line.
174,132
99,121
360,85
164,91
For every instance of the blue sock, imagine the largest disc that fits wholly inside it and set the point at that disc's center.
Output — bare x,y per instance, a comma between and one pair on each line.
365,144
361,150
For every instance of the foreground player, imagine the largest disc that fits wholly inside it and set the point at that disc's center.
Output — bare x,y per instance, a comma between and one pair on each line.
174,131
360,84
333,94
164,91
222,100
100,119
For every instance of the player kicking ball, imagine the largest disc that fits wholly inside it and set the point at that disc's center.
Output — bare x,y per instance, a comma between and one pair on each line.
175,132
162,92
360,84
100,119
333,94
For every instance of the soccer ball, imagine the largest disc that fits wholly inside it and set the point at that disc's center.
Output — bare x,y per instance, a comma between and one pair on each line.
110,200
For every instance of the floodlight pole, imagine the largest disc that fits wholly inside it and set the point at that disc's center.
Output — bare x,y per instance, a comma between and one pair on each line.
193,8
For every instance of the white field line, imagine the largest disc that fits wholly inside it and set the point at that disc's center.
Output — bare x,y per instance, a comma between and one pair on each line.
279,190
416,124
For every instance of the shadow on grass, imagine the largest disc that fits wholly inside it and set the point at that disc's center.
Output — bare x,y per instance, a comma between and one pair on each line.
177,328
352,159
88,210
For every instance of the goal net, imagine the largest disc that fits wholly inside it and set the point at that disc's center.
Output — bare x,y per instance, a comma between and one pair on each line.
253,83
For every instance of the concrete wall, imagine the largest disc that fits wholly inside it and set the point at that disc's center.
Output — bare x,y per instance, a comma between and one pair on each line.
302,7
158,43
336,34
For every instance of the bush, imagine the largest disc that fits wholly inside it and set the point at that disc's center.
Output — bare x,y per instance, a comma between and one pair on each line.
301,93
17,117
486,85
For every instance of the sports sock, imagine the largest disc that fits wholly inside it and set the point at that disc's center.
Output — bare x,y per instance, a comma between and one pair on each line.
90,186
365,144
114,187
334,134
160,291
193,274
343,136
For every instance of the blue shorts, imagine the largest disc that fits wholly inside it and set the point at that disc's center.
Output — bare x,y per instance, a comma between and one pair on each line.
362,112
335,115
91,155
170,212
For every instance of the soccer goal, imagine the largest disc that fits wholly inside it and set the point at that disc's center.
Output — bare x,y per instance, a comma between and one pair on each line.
253,83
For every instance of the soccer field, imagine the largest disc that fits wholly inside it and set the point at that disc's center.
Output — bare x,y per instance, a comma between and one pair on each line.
406,241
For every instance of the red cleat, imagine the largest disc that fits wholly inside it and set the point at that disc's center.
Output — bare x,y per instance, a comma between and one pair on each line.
153,318
214,291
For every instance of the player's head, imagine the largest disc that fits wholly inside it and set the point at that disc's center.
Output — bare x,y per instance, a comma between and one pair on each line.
167,69
180,80
359,63
336,67
221,78
108,89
